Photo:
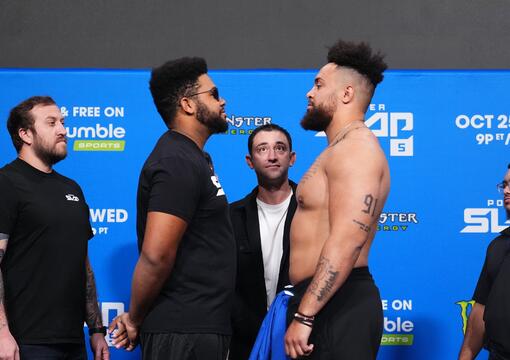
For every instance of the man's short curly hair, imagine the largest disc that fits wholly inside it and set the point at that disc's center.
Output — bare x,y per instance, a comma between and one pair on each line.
358,56
173,80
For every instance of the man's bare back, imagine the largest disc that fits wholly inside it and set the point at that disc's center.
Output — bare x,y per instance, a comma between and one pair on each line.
332,182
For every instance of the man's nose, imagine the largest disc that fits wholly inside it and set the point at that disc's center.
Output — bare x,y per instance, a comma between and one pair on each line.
62,130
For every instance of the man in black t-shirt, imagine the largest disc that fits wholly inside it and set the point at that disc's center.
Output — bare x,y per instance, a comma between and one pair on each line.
184,279
489,320
47,287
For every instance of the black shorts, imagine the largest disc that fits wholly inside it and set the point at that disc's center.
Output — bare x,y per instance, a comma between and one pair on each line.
53,351
350,325
168,346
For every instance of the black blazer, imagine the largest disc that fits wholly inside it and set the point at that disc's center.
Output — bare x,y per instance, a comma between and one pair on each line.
250,303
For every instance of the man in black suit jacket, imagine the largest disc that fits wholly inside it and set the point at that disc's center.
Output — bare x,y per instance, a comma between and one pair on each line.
261,223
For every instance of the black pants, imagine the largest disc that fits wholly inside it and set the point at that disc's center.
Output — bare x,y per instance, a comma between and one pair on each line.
493,356
168,346
53,352
350,325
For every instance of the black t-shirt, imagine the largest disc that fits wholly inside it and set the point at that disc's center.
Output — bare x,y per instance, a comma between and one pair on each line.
493,291
196,298
47,220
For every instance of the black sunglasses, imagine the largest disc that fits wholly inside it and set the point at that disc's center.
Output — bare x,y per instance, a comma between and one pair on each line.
214,93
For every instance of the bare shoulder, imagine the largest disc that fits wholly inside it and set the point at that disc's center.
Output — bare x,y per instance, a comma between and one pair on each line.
358,150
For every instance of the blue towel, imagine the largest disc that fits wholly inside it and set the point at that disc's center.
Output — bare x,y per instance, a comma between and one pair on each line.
270,339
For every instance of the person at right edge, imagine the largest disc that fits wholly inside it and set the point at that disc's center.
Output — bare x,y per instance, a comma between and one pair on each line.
336,310
489,321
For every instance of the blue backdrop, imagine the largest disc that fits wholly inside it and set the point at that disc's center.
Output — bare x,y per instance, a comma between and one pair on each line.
445,133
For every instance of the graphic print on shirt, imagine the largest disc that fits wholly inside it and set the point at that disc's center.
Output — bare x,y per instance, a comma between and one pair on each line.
72,197
216,183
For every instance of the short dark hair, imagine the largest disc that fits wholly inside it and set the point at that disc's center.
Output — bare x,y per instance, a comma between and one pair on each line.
20,117
173,80
358,56
268,127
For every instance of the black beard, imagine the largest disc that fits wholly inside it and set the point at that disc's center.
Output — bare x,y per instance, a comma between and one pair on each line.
317,119
214,122
50,158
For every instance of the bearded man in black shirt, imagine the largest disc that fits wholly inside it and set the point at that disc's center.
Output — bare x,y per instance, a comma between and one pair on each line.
489,320
47,287
184,279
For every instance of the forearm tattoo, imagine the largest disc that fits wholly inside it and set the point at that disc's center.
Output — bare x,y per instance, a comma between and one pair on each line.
324,279
93,316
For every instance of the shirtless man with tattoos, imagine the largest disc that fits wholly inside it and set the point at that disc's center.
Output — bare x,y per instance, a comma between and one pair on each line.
336,309
47,287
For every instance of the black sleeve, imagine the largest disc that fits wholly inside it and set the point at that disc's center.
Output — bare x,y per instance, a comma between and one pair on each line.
8,206
90,232
484,283
175,187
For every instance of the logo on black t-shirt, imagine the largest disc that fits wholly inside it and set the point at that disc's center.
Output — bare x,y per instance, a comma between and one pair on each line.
216,183
71,197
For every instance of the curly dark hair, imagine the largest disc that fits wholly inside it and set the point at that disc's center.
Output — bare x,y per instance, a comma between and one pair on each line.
173,80
358,56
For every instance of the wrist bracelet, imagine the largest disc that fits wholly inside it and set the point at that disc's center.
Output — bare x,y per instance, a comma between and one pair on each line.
97,330
303,319
306,317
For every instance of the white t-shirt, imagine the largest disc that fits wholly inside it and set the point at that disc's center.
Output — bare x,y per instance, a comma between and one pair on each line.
271,226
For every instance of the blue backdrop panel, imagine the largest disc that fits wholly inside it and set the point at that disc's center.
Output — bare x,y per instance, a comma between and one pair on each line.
446,135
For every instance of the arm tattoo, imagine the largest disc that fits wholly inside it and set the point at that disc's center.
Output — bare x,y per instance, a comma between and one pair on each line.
93,316
370,204
324,279
362,226
312,170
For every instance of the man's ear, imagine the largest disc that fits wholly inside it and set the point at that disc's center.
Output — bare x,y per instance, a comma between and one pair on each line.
347,94
292,158
26,135
249,162
187,105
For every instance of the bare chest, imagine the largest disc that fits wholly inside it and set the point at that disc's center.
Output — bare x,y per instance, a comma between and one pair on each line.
313,188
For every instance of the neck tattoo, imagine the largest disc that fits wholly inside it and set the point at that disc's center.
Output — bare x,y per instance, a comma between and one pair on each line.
342,133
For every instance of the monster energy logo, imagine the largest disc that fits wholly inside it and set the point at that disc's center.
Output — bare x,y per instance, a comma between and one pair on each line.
464,306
